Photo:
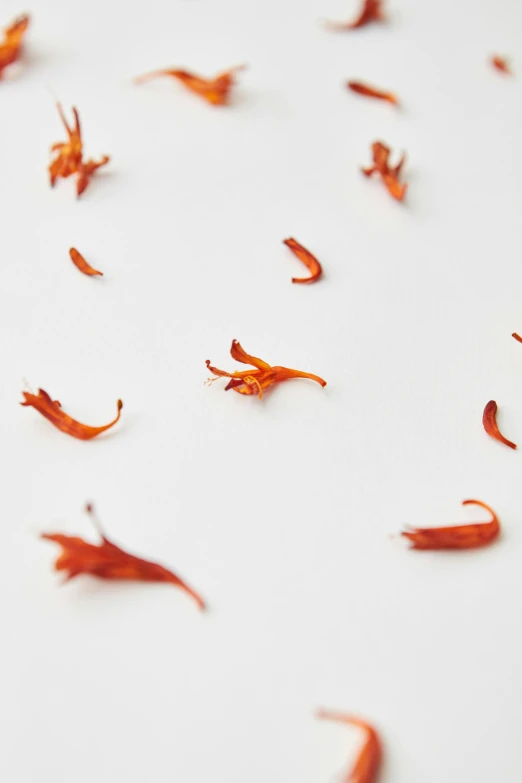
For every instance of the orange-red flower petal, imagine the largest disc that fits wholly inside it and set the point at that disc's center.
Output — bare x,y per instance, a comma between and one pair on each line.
308,260
372,92
501,64
81,264
107,561
257,380
456,537
489,420
389,174
367,765
216,91
517,337
52,410
371,11
11,46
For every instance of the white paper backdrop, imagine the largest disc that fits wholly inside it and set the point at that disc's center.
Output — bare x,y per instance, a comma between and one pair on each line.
279,512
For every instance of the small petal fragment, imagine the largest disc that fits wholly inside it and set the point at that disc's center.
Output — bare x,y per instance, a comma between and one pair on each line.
456,537
372,92
489,420
517,337
12,45
371,12
52,410
367,765
216,91
501,64
262,377
308,260
107,561
81,264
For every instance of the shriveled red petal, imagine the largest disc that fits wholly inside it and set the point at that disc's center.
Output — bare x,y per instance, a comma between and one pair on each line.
489,420
368,762
81,264
108,561
517,337
308,260
52,411
456,537
237,353
389,174
215,91
371,12
372,92
12,44
501,64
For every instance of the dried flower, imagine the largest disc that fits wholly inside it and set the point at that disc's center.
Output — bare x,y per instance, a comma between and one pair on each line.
501,64
372,92
459,537
489,420
69,158
308,260
52,410
389,174
80,262
216,91
108,561
366,767
256,381
517,337
11,46
370,12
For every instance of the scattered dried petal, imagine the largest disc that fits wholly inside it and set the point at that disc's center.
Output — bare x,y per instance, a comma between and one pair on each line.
372,92
501,64
11,46
308,260
108,561
389,174
367,765
517,337
371,12
256,381
216,91
80,262
489,420
459,537
52,410
69,158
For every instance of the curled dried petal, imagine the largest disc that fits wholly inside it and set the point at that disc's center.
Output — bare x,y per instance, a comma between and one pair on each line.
366,767
107,561
501,64
371,12
216,91
11,46
240,355
489,420
372,92
308,260
456,537
517,337
389,174
81,264
52,410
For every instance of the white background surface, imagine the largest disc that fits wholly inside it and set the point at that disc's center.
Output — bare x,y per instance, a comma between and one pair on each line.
279,512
